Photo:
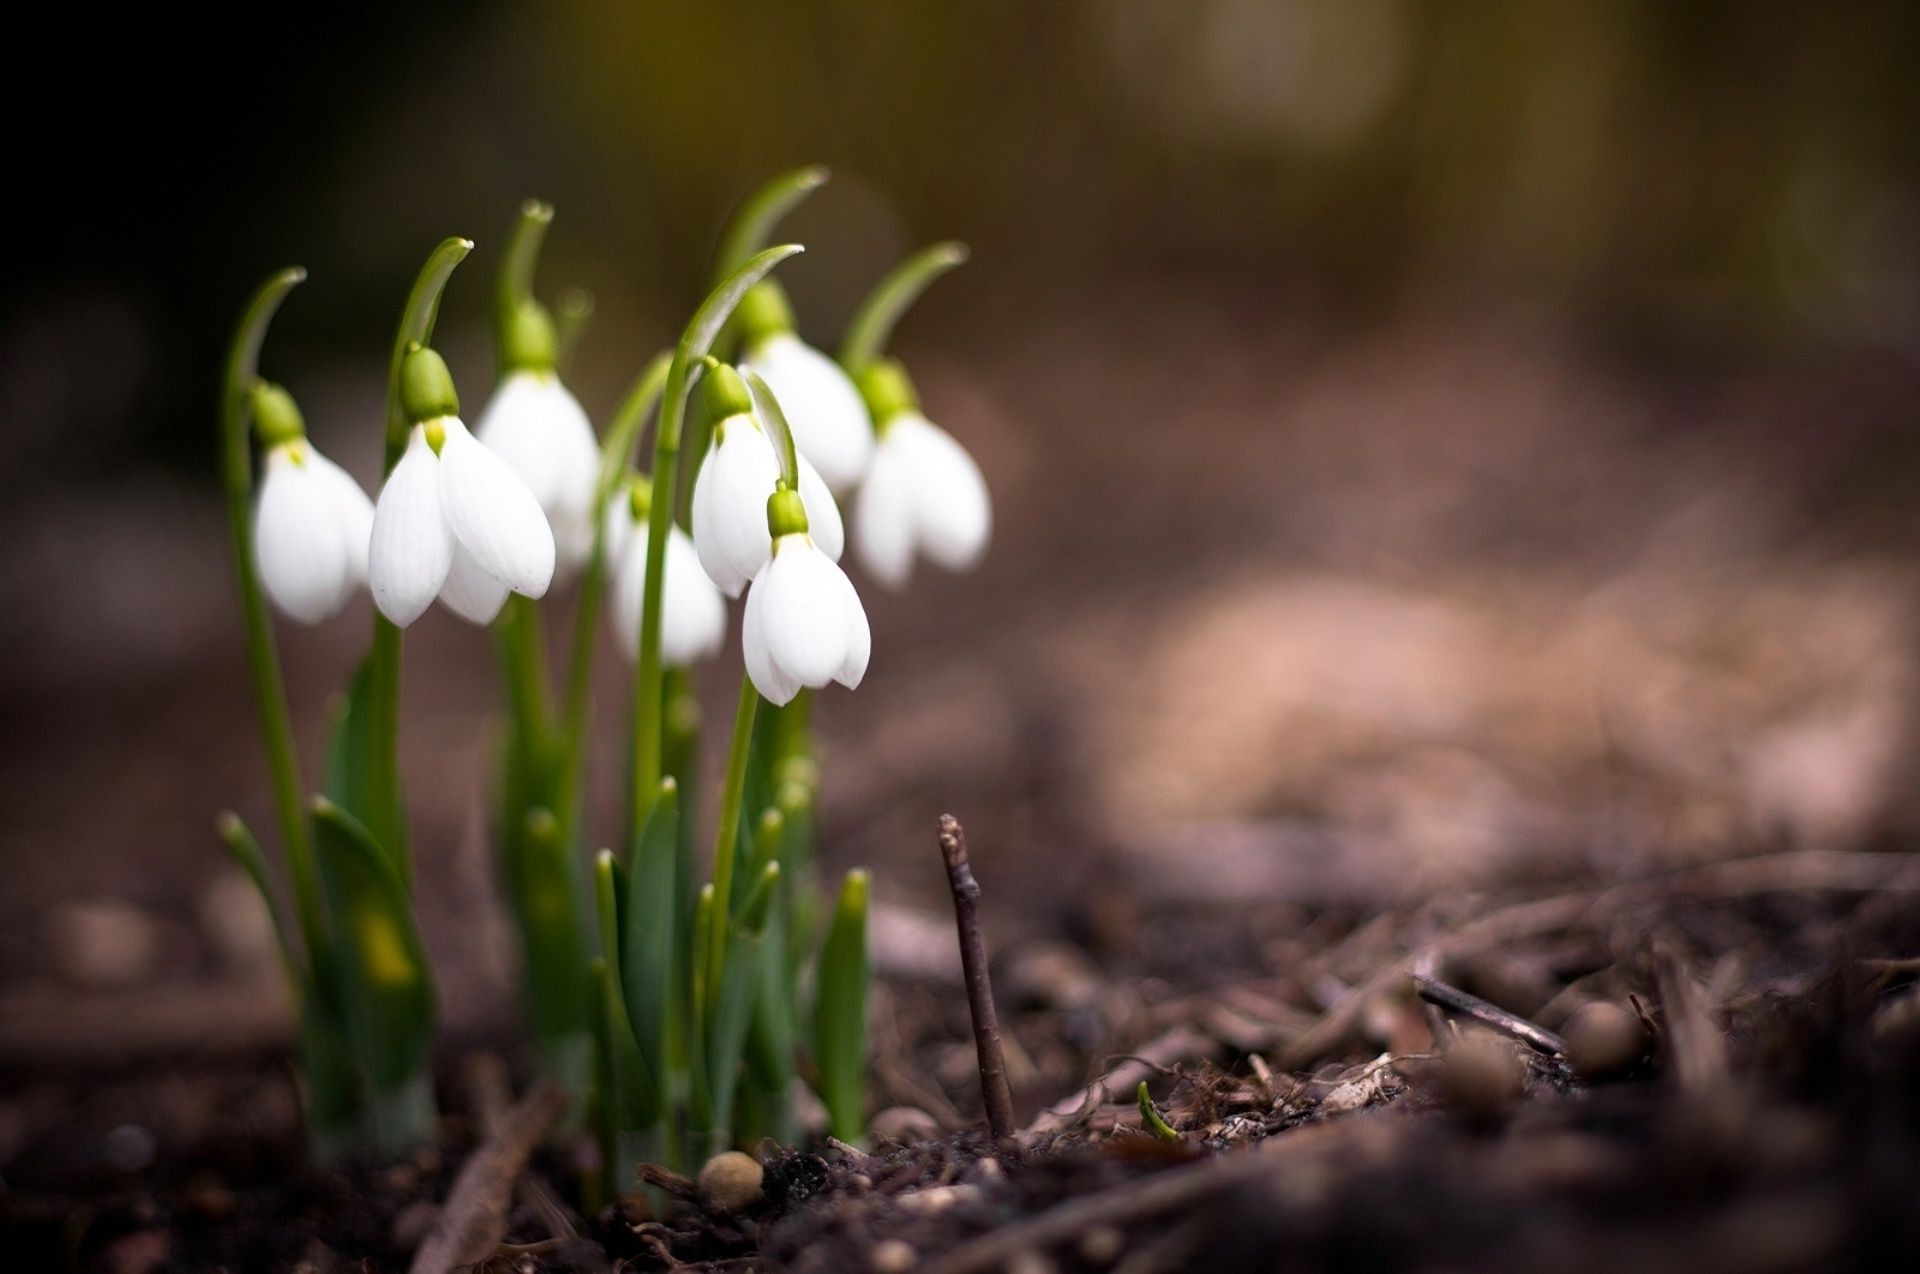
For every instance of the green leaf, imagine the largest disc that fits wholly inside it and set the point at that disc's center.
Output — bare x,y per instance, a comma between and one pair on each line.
544,884
733,1005
767,408
386,992
633,1096
649,955
1150,1118
417,321
246,851
840,1013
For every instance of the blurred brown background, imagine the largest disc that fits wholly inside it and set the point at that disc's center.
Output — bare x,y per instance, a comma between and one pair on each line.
1432,444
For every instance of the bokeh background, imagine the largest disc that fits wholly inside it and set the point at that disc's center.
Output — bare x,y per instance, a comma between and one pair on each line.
1433,445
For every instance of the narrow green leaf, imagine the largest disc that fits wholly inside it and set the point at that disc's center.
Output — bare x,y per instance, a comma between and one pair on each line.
733,1005
386,992
634,1096
246,851
1150,1117
544,883
648,950
840,1013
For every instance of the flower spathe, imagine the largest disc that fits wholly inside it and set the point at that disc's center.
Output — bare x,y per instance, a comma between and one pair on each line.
730,504
830,424
456,522
693,615
804,625
540,429
311,526
924,495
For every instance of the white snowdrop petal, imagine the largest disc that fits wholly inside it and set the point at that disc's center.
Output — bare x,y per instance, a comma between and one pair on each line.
953,514
730,504
298,549
859,635
693,615
493,514
470,592
352,512
629,587
830,422
517,424
411,549
823,513
804,612
883,516
773,682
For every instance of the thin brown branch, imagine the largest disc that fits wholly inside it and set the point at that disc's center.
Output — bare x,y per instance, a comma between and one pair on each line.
995,1094
1449,996
474,1219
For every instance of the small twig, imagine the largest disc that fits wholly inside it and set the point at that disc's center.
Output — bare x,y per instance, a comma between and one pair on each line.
1154,1057
1694,1040
491,1097
1446,995
995,1094
474,1219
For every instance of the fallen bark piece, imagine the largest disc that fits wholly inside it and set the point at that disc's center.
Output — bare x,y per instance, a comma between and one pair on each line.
475,1217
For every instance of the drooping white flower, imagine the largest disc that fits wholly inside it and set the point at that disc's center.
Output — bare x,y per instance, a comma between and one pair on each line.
540,429
454,519
730,504
804,624
311,526
924,494
830,424
693,615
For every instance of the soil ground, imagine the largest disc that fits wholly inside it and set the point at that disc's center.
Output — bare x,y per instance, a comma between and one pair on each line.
1464,646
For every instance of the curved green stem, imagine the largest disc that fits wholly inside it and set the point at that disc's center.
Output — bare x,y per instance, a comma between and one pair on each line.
383,780
694,342
767,407
263,659
514,284
873,322
750,227
616,450
726,840
570,322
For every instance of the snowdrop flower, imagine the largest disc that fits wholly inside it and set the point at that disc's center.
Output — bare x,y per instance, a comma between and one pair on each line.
693,615
729,493
830,423
540,429
924,493
312,521
804,624
454,520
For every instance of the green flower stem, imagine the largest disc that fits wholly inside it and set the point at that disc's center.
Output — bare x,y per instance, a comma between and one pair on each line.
754,223
726,839
263,659
694,342
384,817
576,311
873,322
514,284
616,450
521,645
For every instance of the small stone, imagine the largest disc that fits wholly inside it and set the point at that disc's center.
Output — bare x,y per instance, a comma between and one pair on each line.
730,1181
1604,1039
412,1223
1483,1074
893,1256
904,1126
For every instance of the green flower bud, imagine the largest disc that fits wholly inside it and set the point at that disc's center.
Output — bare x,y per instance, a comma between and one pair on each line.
640,496
764,311
786,515
724,394
529,342
426,387
888,391
276,417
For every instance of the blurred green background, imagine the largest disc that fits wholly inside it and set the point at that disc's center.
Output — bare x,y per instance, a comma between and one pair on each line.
1703,172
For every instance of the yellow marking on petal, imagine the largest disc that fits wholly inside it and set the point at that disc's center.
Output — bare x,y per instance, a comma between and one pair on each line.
383,952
